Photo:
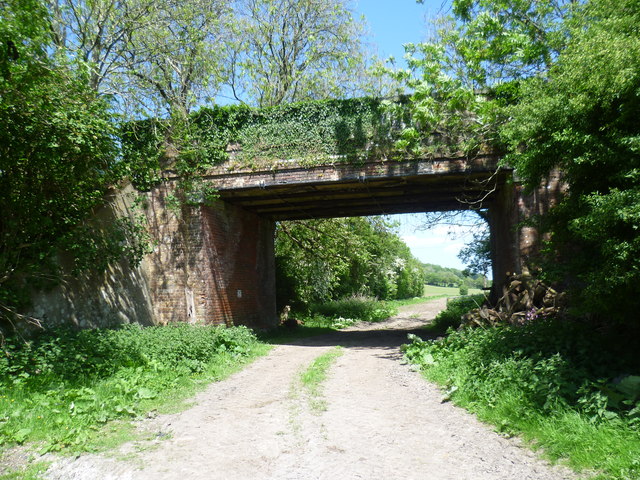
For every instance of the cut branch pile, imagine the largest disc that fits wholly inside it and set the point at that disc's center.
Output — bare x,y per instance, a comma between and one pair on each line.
524,299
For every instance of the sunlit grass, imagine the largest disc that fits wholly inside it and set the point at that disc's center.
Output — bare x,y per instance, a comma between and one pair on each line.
65,393
551,383
432,290
32,471
313,377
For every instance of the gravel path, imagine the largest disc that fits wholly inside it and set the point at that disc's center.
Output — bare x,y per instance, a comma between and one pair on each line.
382,421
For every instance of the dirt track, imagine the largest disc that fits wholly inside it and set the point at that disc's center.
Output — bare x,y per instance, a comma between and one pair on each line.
382,421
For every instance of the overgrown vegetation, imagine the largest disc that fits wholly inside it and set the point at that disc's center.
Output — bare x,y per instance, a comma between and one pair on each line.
58,158
60,388
318,261
560,84
30,472
456,308
312,132
94,94
359,308
564,387
452,277
584,114
560,88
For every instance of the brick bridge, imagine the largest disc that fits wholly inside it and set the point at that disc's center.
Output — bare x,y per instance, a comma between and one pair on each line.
215,264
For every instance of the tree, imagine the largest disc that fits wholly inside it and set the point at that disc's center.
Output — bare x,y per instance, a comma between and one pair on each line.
292,50
58,155
561,81
98,33
476,254
497,41
461,78
154,58
177,60
582,118
321,260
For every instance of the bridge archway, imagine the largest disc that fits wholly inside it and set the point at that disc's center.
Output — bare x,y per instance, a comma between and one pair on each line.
229,274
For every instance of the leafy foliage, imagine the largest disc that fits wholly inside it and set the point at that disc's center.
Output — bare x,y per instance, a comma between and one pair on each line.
553,84
477,254
292,50
58,158
321,260
351,130
357,308
451,277
583,120
456,307
502,40
545,379
64,384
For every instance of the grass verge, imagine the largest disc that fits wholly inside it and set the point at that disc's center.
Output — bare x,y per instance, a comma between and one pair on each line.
314,376
63,390
32,471
356,308
565,388
431,290
451,317
342,313
414,300
336,315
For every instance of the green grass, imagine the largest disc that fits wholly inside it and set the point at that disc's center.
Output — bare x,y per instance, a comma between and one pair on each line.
356,308
433,290
314,376
64,390
550,381
413,301
32,471
336,315
451,317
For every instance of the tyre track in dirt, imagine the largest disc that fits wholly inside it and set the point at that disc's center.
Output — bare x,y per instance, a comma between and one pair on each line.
382,421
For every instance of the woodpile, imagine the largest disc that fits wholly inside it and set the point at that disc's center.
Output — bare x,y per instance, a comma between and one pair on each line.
524,300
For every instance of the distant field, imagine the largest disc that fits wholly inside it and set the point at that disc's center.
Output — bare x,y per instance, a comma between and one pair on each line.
431,290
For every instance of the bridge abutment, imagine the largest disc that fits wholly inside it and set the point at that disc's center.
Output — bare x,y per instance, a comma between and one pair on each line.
211,264
505,252
515,231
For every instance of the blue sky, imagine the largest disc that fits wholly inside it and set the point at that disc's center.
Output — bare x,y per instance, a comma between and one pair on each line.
439,245
393,23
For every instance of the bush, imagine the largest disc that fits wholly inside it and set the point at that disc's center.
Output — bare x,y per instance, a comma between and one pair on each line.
456,307
61,386
64,354
356,307
558,382
464,289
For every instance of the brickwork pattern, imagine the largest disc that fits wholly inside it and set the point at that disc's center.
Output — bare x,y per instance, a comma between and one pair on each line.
210,264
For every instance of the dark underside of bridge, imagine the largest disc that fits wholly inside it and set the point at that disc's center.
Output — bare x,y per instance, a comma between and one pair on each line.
295,192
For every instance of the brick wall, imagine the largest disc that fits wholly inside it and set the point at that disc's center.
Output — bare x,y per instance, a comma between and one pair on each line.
211,264
216,264
515,235
536,204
